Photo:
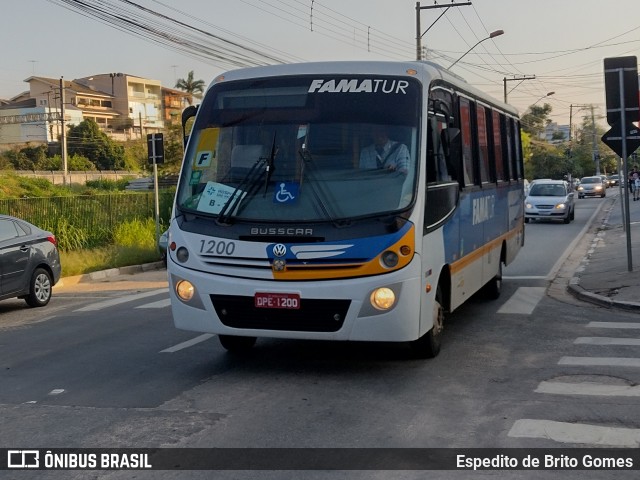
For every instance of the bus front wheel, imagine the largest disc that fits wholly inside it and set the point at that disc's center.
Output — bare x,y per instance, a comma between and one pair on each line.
237,344
428,346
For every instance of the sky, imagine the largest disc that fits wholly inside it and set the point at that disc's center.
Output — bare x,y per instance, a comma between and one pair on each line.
562,43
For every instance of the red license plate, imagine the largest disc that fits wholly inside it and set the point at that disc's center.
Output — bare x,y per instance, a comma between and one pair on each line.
277,300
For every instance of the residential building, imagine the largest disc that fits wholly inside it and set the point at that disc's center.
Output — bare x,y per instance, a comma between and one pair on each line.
173,103
124,106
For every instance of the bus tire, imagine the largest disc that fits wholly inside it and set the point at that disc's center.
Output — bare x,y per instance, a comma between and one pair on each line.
493,288
428,345
233,343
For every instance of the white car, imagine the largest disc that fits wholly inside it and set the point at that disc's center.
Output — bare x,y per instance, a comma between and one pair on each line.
592,187
549,200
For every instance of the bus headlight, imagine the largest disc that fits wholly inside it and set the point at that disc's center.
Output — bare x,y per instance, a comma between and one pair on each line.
185,290
382,298
389,259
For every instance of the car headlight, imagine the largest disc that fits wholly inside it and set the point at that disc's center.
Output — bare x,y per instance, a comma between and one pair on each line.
528,205
580,188
561,206
598,187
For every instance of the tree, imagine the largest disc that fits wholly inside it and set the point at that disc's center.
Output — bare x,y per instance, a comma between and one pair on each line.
87,140
194,88
536,119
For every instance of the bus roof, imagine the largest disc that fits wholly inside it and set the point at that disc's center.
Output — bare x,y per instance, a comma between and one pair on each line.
426,72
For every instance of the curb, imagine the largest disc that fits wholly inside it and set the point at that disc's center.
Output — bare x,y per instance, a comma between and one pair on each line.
581,293
112,272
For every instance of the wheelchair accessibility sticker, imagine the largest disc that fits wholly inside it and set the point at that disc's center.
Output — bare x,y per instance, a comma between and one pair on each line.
286,192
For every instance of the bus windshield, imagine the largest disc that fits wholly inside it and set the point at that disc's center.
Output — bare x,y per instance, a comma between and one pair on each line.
308,148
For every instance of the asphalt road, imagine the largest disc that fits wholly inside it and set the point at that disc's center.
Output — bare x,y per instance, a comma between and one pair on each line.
108,369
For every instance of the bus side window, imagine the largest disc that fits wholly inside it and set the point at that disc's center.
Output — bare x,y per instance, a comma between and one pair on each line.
441,167
483,144
467,141
501,172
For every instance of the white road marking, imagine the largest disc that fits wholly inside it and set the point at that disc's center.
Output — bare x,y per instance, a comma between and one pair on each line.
588,388
576,433
159,304
523,301
56,391
525,277
600,361
613,325
116,301
188,343
607,341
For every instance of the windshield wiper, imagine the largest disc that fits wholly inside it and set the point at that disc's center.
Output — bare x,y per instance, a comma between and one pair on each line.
319,194
252,178
270,165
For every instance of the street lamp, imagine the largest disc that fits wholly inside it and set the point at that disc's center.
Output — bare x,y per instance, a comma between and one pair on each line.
544,96
495,34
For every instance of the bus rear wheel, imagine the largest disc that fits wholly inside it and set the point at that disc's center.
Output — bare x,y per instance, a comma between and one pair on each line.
236,344
428,346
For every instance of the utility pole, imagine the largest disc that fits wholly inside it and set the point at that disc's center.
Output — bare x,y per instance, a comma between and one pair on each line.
596,154
418,29
63,135
521,78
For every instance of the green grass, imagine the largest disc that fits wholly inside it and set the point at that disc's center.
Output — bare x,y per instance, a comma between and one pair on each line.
134,244
114,256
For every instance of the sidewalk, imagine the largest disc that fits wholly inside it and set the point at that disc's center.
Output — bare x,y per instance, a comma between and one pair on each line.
603,276
135,277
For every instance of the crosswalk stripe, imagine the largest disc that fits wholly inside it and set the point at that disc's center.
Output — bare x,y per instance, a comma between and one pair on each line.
523,301
188,343
159,304
576,433
116,301
613,325
600,361
606,341
587,388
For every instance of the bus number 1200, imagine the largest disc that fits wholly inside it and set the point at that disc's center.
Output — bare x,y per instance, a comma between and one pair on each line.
217,248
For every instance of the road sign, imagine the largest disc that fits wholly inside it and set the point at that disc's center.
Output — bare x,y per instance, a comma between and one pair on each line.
155,147
621,89
614,138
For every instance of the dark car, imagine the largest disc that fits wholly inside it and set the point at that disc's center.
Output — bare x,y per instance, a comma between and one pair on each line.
29,262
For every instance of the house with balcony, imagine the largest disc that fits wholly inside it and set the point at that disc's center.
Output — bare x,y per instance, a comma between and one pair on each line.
124,106
174,102
137,100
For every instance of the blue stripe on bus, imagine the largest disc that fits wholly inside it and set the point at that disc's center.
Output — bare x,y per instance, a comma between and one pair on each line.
344,251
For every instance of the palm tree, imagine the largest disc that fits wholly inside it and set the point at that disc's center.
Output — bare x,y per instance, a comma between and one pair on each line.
191,86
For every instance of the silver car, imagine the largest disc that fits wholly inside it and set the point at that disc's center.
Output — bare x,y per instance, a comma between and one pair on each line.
29,262
592,187
549,200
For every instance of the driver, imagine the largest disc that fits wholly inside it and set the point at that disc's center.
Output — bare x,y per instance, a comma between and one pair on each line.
384,153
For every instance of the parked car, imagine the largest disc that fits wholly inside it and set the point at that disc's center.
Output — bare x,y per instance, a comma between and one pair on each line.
29,262
592,187
614,180
549,200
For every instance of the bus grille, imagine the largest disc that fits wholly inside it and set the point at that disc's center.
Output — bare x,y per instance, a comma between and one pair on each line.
314,315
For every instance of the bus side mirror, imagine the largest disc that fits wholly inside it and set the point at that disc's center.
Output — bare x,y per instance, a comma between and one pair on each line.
187,113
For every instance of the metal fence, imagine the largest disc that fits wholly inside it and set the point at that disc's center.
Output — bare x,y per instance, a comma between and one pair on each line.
88,213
